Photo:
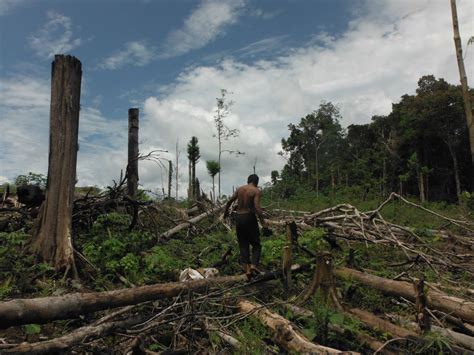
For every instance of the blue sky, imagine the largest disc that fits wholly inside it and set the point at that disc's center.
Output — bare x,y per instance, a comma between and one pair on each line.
170,58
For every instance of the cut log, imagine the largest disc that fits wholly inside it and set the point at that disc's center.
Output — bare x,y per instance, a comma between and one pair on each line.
286,335
372,321
438,300
192,221
362,338
463,340
66,341
383,325
46,309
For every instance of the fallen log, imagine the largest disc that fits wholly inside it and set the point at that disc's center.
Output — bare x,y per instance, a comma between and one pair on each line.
463,340
66,341
383,325
362,338
438,300
190,222
397,332
46,309
286,335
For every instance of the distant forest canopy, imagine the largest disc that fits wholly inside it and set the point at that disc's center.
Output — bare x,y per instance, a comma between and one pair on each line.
421,148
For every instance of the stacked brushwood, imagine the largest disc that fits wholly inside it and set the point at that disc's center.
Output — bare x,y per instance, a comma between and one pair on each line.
346,222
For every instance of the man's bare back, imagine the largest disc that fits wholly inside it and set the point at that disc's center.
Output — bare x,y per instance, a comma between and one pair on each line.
246,198
248,201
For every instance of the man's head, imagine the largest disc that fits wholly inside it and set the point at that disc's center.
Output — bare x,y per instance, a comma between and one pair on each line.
253,179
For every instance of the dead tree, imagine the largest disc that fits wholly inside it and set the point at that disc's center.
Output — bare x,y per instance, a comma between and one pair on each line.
52,236
422,315
455,306
462,74
286,335
132,167
170,177
71,305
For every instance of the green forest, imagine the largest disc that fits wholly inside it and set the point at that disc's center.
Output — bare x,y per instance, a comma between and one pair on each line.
420,149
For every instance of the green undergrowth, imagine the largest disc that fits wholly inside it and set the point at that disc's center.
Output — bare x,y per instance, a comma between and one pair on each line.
19,274
141,258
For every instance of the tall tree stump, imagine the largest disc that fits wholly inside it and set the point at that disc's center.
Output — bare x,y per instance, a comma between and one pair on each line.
52,237
422,315
132,167
287,260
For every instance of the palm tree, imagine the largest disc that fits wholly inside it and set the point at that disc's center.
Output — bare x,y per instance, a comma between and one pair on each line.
193,156
213,168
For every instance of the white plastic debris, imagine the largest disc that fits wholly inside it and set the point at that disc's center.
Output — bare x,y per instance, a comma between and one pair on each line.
199,274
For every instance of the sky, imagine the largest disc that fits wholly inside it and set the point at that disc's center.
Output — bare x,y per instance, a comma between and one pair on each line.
278,59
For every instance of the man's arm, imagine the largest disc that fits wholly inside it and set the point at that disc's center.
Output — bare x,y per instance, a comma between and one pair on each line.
229,203
258,209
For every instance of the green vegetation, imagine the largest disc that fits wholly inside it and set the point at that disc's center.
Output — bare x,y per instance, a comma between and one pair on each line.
421,148
31,178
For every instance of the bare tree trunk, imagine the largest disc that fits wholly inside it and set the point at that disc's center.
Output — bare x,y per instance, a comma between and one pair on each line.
47,309
132,167
384,176
421,186
452,152
190,184
213,190
438,300
52,237
63,343
333,183
427,186
191,222
317,171
177,168
285,333
170,177
462,74
193,180
219,177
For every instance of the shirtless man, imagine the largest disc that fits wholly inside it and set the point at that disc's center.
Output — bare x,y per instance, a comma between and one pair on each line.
248,209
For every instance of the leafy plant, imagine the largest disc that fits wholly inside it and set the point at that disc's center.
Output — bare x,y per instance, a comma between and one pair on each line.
32,329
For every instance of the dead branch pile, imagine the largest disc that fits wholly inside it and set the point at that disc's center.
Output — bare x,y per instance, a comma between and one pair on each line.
346,222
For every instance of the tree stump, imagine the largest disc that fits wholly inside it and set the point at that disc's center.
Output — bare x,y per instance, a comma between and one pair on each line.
132,167
52,236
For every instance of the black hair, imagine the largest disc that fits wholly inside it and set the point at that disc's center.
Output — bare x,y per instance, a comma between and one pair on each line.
253,179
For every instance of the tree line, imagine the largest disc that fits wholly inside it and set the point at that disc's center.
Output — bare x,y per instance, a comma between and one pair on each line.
420,148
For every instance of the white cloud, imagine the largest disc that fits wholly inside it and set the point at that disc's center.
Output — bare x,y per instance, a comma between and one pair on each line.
54,37
203,26
136,53
24,112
